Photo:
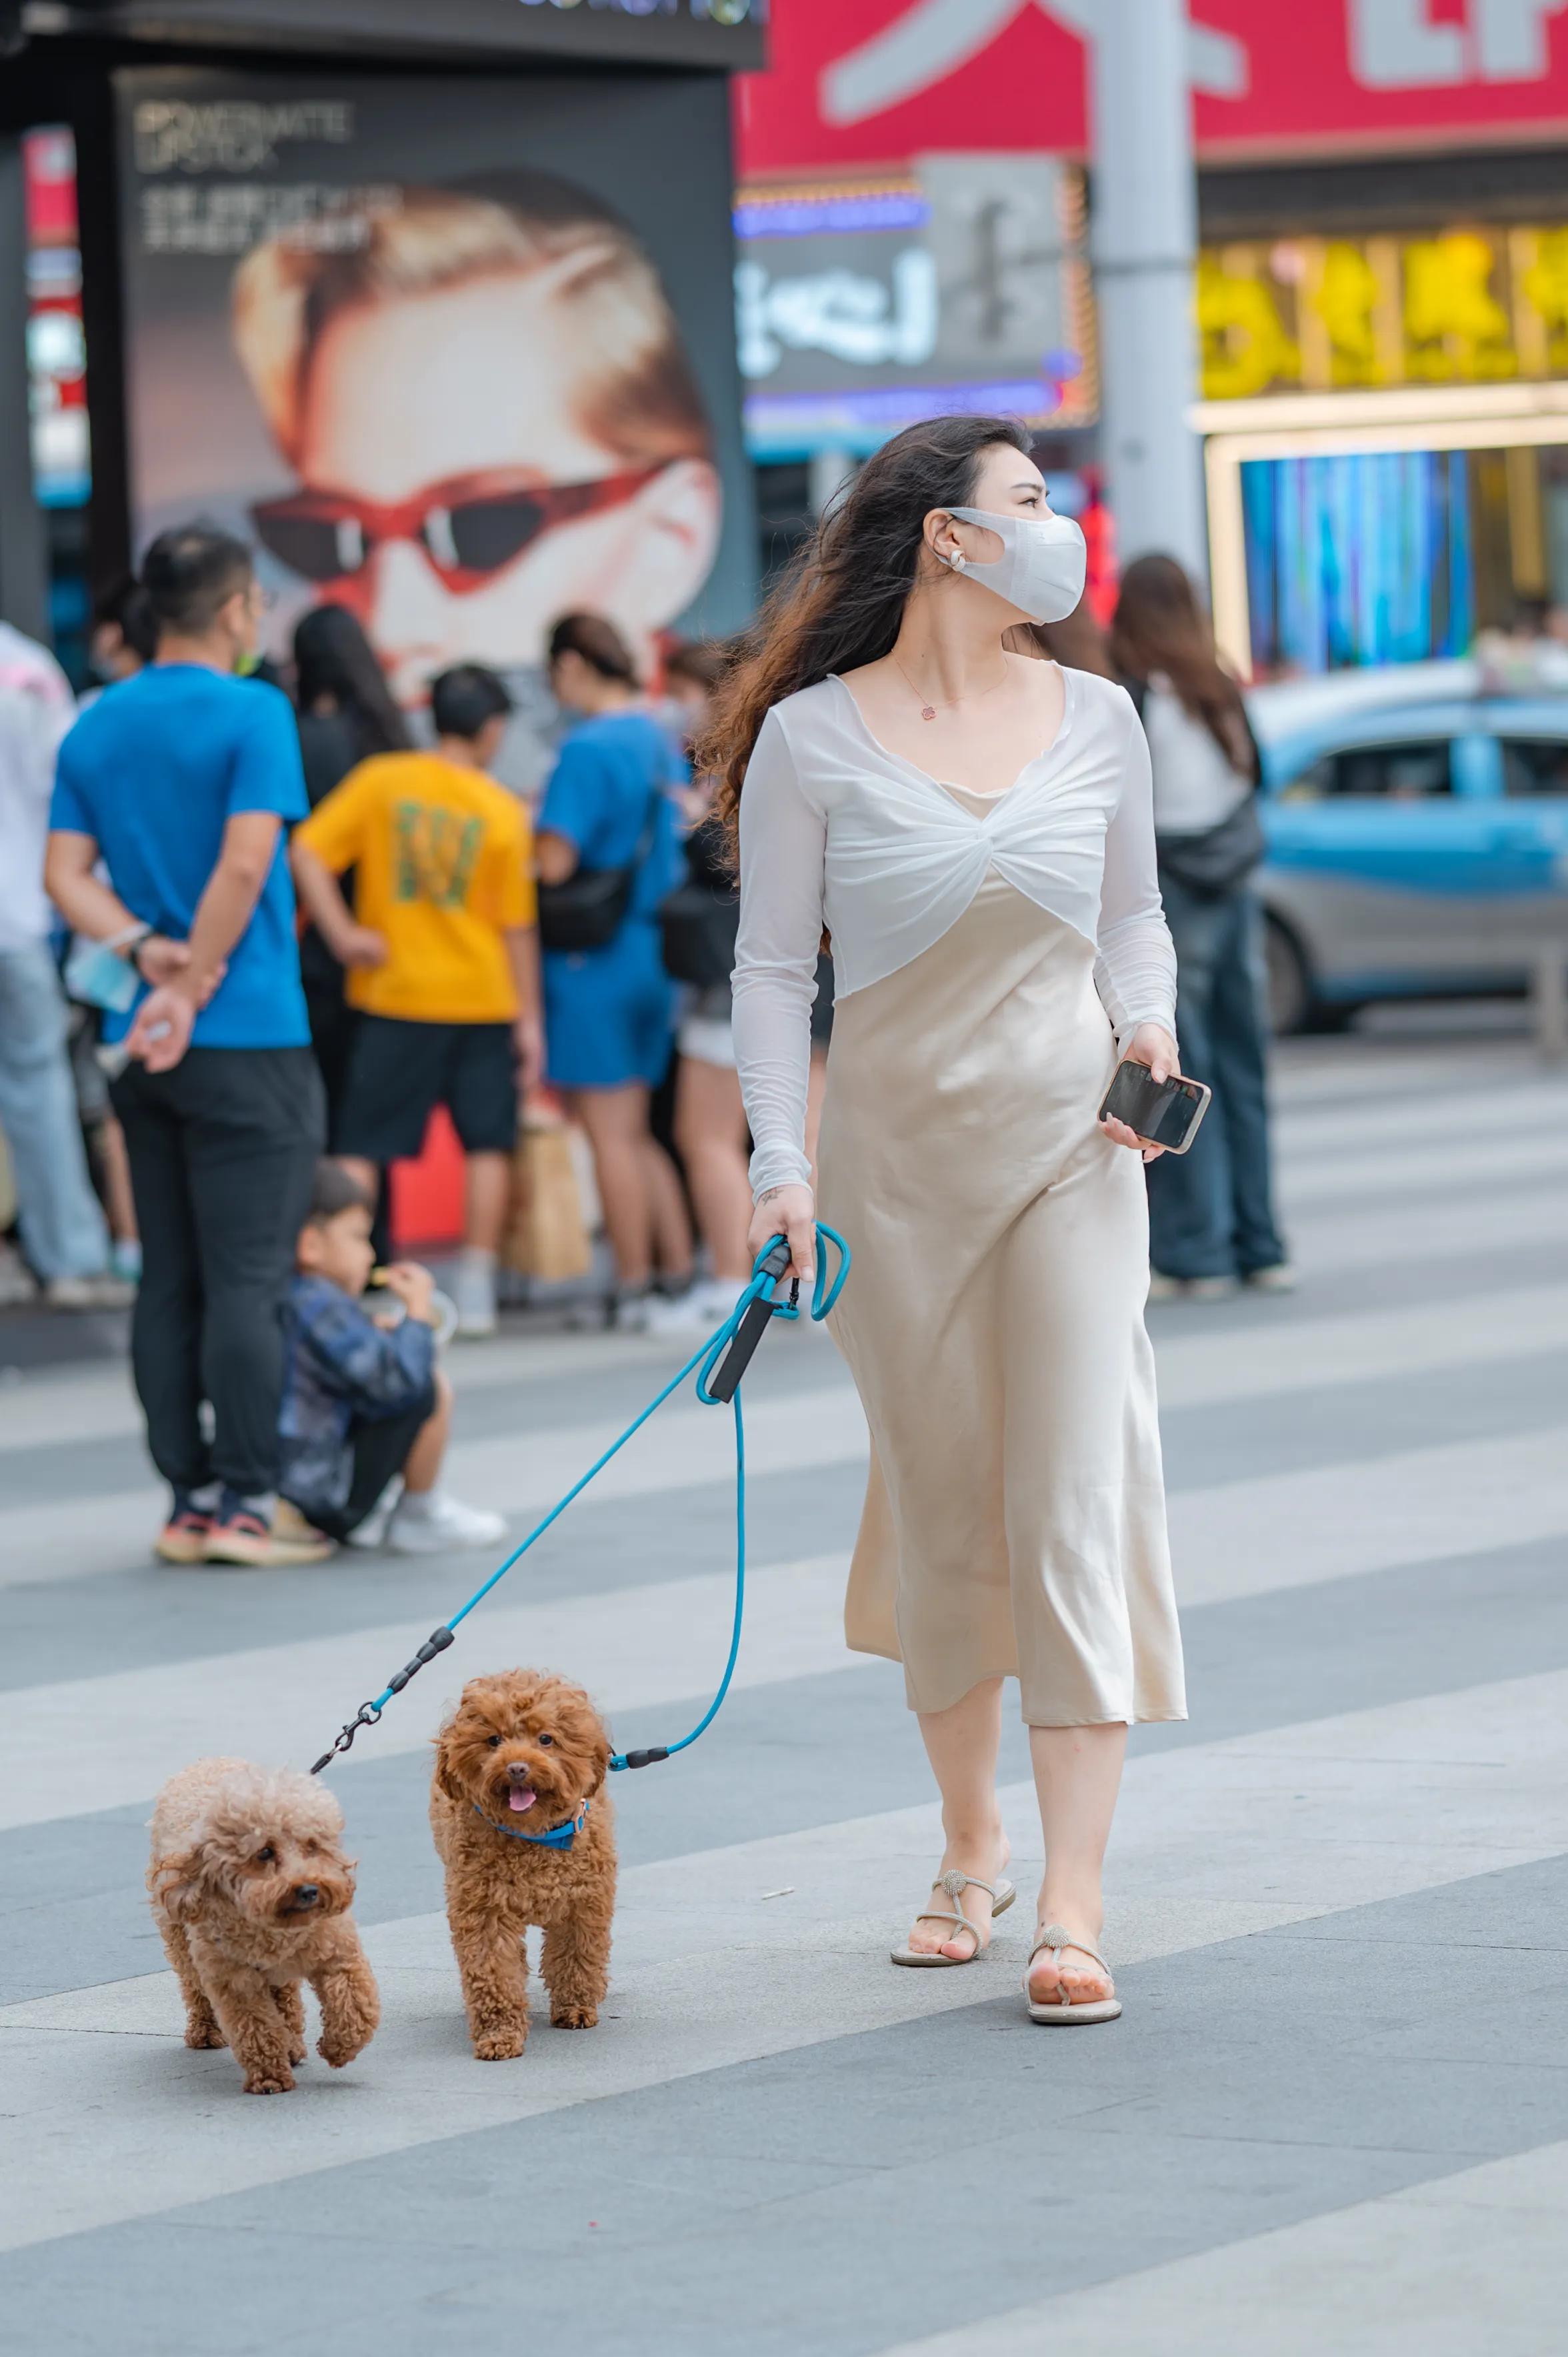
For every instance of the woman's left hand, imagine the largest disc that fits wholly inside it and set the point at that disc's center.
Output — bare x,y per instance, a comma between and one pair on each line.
1150,1044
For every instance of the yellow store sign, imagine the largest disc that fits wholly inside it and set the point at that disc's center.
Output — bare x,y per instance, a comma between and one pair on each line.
1466,306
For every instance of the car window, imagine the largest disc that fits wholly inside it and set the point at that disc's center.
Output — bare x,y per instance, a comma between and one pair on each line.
1535,765
1404,773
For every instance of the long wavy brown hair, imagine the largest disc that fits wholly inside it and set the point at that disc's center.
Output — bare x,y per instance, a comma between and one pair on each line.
1160,626
843,598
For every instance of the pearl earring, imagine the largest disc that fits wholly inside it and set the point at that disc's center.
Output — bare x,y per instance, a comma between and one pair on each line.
958,561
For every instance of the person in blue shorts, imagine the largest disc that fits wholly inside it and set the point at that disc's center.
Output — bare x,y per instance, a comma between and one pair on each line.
609,1012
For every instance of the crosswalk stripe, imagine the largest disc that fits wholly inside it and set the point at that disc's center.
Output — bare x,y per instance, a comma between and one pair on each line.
1305,1136
1412,2269
1338,1521
1437,1232
688,1445
644,1645
1320,1817
1472,1162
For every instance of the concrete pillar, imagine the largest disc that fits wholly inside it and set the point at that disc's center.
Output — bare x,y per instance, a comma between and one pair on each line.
1143,241
24,550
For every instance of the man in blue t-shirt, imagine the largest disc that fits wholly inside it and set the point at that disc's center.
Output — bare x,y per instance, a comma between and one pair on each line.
180,782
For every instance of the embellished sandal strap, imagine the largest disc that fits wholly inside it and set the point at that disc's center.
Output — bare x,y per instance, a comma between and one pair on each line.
1056,1937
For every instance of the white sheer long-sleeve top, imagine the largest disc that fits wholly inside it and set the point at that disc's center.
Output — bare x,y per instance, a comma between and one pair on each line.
836,831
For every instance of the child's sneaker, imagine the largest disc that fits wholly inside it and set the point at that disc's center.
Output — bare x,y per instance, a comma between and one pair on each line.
241,1534
429,1523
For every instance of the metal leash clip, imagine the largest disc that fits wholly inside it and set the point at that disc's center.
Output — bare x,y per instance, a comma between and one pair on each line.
368,1715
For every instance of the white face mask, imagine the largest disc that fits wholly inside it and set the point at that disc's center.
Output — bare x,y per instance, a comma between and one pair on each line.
1042,565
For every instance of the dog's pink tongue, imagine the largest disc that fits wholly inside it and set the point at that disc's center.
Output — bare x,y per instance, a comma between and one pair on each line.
516,1800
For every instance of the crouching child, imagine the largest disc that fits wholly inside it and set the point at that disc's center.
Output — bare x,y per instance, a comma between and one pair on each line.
367,1413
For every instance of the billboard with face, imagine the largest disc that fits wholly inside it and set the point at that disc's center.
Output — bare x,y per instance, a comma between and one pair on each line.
457,355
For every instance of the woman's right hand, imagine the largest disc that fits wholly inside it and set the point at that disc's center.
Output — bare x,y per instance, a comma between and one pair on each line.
789,1212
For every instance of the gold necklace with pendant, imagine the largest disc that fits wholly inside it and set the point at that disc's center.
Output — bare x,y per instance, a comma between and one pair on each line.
928,709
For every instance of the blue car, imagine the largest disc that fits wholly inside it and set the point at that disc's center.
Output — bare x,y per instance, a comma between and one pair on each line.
1417,827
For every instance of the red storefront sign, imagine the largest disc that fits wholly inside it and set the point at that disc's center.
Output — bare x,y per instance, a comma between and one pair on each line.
862,82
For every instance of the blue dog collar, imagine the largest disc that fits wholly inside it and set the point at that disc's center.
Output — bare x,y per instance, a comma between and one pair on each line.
559,1836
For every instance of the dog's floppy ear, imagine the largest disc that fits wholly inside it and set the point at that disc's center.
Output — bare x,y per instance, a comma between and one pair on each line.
446,1780
601,1764
177,1884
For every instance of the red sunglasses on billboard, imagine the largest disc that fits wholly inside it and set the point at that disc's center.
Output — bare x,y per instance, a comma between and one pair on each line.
469,530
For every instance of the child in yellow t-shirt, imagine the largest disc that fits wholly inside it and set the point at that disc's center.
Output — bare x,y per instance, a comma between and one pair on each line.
441,955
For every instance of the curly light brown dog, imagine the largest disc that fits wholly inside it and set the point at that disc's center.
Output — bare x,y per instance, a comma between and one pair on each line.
251,1892
523,1755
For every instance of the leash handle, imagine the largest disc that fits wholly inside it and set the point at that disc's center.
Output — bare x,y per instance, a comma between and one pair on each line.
755,1320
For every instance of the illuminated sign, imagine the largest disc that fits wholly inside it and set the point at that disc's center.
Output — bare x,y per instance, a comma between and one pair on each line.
1465,306
861,308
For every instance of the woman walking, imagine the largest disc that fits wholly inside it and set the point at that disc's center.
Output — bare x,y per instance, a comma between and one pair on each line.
972,828
1211,1213
608,811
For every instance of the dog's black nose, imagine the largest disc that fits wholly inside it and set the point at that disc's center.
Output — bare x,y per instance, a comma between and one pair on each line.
306,1894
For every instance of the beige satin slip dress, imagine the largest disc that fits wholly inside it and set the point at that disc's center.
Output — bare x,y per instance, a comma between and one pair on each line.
1015,1516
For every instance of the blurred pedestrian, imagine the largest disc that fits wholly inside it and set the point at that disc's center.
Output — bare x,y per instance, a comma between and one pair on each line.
62,1228
346,715
122,637
608,855
181,779
442,957
1211,1215
699,921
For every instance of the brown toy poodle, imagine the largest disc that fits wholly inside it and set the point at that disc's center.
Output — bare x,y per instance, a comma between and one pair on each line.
251,1892
525,1755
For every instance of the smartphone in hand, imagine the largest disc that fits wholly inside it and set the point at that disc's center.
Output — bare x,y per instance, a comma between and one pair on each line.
1162,1112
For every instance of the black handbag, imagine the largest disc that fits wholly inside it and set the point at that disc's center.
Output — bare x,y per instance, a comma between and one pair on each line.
1218,859
589,908
699,927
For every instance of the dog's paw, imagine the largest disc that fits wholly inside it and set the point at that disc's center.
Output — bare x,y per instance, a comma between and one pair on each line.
337,2052
573,2017
204,2036
270,2082
500,2045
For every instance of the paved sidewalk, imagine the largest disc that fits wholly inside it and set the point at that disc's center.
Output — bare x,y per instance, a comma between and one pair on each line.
1335,2115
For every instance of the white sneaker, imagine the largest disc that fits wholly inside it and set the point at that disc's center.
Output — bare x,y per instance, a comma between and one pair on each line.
1278,1277
16,1284
474,1297
698,1310
432,1522
1190,1288
100,1292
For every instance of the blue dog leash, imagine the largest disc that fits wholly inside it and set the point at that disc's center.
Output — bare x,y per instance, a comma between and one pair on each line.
733,1343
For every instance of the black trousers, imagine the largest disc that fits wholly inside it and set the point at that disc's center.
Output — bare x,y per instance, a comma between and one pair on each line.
223,1150
380,1450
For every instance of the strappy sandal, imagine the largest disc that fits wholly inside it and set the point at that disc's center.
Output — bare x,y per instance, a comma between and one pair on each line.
1000,1894
1056,1937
